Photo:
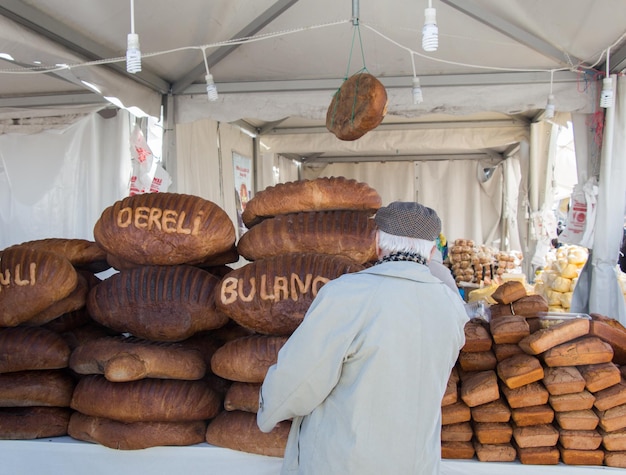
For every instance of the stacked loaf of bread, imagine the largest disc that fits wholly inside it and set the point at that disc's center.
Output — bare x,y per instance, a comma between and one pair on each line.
43,289
146,383
301,235
542,391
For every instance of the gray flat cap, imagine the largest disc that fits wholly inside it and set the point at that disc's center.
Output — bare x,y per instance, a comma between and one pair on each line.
410,219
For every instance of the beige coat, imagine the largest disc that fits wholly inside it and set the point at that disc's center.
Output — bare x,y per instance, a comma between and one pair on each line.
364,374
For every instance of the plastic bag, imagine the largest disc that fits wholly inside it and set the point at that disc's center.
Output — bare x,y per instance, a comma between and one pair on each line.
581,215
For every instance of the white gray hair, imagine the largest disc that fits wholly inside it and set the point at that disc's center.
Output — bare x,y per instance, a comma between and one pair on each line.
390,243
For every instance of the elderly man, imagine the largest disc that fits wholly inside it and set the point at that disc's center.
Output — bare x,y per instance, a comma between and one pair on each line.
363,375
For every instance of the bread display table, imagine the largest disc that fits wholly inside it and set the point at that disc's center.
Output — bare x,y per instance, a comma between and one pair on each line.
64,455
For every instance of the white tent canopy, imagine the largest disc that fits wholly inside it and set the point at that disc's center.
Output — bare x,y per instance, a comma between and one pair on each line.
276,64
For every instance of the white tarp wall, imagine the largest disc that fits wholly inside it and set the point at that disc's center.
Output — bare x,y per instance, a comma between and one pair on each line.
597,290
204,162
56,183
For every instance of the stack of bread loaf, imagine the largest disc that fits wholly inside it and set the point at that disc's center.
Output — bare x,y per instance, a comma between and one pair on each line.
300,235
148,384
557,280
43,289
541,390
481,265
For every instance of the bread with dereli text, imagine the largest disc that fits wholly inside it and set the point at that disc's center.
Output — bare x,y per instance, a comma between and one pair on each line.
160,303
319,194
271,295
164,229
30,281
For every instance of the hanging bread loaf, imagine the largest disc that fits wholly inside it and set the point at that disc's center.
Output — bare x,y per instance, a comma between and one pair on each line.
122,359
30,281
145,400
160,303
247,359
319,194
164,229
27,423
357,107
135,435
238,430
271,296
82,253
346,233
32,348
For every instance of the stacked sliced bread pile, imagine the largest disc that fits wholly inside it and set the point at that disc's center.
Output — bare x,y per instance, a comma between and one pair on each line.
556,392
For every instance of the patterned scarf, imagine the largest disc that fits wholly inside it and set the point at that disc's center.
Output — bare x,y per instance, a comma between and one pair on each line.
403,256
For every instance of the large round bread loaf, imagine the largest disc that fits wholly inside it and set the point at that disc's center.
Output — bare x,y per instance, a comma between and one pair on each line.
27,423
341,233
145,400
359,106
164,229
31,281
271,296
32,348
82,253
319,194
122,359
36,388
247,359
135,435
237,430
160,303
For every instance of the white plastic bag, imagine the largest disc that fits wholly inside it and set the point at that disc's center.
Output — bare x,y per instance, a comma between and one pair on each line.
581,216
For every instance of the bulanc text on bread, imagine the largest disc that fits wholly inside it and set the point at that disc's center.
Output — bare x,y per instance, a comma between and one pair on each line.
281,288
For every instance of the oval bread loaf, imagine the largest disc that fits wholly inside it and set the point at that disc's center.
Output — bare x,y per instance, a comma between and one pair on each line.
27,423
160,303
122,359
52,387
271,296
145,400
320,194
32,348
30,281
248,358
164,229
135,435
238,430
345,233
357,107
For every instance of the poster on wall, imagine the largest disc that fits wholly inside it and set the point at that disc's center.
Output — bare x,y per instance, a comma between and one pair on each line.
243,186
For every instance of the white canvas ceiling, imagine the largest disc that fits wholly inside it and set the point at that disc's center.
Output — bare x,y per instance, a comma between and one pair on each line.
278,62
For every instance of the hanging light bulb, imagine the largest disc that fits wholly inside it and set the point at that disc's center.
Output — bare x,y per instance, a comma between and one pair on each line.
606,95
550,107
418,98
430,31
133,52
211,89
